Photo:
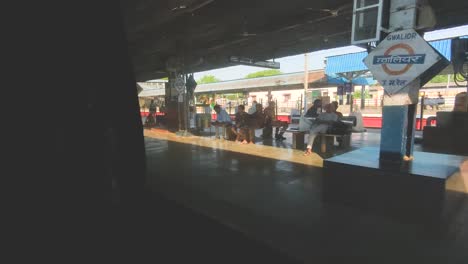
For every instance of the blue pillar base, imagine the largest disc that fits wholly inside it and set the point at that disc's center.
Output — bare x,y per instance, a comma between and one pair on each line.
394,135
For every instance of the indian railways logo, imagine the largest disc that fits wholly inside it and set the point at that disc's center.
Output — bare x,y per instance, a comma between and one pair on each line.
401,63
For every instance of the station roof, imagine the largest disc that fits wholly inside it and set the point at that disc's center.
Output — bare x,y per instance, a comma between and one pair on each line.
287,81
206,32
152,88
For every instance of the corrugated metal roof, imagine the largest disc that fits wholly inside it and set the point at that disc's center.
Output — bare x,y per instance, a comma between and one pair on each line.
346,63
152,92
335,79
152,88
287,81
353,62
444,46
265,82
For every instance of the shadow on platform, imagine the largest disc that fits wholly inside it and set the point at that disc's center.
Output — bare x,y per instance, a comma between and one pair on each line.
279,203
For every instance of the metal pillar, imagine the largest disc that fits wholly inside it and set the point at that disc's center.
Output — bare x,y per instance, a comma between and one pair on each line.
397,136
394,134
410,129
363,97
300,107
466,97
422,111
306,79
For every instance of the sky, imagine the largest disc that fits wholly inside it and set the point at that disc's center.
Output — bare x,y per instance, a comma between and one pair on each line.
316,59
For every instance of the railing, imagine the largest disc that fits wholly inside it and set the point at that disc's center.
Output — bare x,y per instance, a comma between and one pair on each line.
449,101
368,102
283,108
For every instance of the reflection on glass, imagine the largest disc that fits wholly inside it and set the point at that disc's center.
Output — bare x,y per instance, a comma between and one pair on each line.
364,3
366,24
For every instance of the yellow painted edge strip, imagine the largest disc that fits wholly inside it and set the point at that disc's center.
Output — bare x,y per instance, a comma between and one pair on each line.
291,155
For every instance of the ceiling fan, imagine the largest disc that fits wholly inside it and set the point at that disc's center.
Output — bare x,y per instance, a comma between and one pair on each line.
179,7
245,33
185,8
332,12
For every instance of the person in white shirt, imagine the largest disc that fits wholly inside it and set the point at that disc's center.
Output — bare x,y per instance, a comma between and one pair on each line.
320,125
359,121
223,120
253,108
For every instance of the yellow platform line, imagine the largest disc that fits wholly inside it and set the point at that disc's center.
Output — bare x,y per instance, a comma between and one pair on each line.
291,155
458,182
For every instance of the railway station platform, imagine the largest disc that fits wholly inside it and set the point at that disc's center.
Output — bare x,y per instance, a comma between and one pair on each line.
273,194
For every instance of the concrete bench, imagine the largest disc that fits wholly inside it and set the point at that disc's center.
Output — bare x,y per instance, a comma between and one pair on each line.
326,140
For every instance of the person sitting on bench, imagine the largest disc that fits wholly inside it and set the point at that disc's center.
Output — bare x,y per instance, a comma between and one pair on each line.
255,121
335,108
320,125
253,108
314,110
241,129
222,121
271,121
339,128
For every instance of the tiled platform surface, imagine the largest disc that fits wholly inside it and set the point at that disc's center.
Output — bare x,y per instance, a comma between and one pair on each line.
278,201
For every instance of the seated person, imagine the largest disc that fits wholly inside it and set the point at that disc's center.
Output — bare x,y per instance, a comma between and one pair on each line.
240,128
335,107
255,121
253,108
321,125
271,121
313,111
338,128
223,120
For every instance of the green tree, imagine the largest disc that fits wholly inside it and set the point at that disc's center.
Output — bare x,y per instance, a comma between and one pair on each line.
441,79
263,73
208,79
234,96
357,94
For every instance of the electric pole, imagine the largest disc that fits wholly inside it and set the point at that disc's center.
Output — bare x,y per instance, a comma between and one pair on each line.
306,79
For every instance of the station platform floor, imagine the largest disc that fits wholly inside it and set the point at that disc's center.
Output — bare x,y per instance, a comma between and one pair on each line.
272,194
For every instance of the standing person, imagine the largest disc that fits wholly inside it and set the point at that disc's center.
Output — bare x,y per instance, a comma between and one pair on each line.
272,121
150,119
212,103
152,107
359,127
440,100
223,120
192,118
313,111
320,125
426,102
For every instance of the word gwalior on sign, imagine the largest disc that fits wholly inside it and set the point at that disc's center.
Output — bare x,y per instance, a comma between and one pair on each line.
400,59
